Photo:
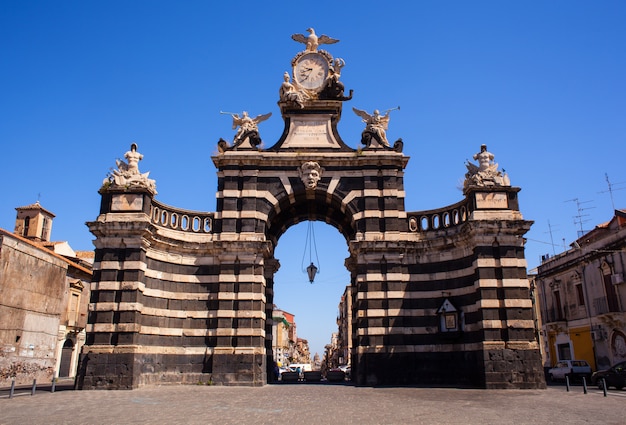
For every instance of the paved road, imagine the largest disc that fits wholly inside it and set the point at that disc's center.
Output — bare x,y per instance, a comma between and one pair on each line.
314,404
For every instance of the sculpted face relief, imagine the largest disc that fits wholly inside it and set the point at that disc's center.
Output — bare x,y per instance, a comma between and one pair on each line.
310,173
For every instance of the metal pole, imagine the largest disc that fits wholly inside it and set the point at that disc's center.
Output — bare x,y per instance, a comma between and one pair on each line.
604,386
54,382
567,382
32,392
12,390
584,385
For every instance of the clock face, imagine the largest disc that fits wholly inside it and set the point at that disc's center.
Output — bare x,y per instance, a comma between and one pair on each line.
311,71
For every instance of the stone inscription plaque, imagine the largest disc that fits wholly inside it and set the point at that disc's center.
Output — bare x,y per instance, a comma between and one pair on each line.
491,200
310,132
127,202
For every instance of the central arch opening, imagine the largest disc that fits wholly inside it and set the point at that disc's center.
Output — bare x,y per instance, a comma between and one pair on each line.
314,306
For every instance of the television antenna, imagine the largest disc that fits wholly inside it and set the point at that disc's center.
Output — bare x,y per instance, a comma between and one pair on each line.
612,188
579,219
551,238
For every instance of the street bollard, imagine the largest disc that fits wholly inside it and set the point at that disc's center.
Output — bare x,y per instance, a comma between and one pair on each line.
604,386
12,390
567,383
32,392
584,385
54,383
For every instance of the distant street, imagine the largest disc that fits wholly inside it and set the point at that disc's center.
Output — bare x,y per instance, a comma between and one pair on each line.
314,404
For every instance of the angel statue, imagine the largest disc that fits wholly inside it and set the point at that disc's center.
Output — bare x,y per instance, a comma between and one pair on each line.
486,173
376,125
246,124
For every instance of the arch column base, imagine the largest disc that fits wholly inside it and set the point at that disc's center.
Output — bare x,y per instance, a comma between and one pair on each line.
239,367
495,368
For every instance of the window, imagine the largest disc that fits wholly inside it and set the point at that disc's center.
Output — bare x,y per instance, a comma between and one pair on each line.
26,226
611,294
579,294
564,351
44,230
73,309
557,306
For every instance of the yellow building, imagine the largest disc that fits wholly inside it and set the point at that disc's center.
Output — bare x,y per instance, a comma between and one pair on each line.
583,297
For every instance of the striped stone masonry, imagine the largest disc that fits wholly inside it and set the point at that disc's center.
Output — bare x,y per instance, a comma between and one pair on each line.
438,296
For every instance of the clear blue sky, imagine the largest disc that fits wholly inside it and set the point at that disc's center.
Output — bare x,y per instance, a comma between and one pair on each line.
542,83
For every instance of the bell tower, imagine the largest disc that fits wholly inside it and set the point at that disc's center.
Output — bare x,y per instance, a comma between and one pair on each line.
34,222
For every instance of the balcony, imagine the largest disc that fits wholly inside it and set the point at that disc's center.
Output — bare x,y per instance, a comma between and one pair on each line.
553,315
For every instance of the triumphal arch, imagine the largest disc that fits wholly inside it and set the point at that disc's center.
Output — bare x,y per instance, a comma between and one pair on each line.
439,297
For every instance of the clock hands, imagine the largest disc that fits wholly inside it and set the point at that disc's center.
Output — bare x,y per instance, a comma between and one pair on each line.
311,70
306,73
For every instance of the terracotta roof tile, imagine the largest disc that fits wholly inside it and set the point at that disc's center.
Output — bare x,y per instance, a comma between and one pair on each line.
35,206
43,248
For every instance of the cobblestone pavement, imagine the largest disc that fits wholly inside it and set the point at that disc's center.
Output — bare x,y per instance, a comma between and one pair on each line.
314,404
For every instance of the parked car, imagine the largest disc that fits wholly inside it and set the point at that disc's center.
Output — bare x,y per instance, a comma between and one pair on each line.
335,375
347,370
574,369
615,376
300,367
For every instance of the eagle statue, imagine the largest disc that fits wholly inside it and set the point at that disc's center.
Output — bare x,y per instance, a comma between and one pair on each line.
312,41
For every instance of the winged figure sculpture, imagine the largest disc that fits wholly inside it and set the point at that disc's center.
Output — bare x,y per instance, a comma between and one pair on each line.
246,123
375,123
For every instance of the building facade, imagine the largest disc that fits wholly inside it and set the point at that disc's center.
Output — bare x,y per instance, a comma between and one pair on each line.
331,354
283,337
45,296
344,325
302,353
583,298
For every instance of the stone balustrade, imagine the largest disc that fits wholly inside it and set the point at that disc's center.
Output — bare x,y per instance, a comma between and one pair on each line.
182,220
441,218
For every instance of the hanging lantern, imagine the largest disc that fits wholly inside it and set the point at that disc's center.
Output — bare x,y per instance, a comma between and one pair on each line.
310,245
311,271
